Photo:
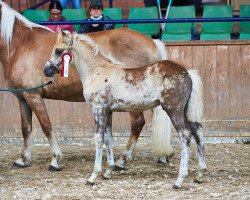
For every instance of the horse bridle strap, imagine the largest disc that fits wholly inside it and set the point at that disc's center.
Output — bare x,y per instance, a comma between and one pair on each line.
56,65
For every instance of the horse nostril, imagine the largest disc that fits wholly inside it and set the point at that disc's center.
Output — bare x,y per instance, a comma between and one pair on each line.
46,73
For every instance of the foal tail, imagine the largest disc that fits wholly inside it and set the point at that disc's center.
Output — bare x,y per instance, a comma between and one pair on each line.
195,103
161,124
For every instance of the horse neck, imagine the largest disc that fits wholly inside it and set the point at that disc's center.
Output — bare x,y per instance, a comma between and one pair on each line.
86,61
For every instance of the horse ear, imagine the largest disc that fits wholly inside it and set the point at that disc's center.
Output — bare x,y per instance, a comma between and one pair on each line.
65,33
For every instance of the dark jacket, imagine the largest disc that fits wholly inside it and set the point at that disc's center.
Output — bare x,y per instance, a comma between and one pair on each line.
87,28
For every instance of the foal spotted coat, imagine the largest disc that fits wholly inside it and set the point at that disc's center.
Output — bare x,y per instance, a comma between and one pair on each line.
110,88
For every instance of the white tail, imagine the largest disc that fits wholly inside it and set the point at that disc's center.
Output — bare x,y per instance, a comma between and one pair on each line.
161,46
195,103
161,128
161,124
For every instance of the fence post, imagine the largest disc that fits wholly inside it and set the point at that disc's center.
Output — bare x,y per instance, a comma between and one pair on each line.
192,31
111,3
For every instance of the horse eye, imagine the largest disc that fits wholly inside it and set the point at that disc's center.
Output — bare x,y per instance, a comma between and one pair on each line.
59,51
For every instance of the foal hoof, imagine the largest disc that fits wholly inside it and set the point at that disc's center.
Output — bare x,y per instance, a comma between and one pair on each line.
90,183
118,168
176,187
54,169
163,160
198,180
18,165
106,177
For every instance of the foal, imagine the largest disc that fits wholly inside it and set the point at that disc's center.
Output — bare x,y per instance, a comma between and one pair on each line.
110,88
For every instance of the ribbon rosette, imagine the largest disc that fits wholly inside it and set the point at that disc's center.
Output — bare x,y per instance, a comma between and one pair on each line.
66,58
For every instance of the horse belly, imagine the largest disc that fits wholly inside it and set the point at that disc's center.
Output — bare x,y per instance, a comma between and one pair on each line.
134,106
133,101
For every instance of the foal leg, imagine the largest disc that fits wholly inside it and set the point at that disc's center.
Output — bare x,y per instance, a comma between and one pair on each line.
36,103
137,122
26,124
100,117
108,142
198,136
178,119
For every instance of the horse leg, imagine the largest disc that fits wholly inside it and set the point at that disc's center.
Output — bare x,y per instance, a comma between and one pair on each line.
198,136
184,132
108,143
100,117
36,103
26,123
137,122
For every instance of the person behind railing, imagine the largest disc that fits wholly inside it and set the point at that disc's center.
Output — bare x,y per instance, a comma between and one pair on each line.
74,3
55,9
96,13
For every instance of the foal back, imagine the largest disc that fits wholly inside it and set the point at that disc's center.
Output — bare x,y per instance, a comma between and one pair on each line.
138,89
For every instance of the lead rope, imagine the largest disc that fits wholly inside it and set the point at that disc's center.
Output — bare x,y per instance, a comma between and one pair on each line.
32,88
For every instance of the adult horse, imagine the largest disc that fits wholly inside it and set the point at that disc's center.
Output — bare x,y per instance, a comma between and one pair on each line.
25,47
109,88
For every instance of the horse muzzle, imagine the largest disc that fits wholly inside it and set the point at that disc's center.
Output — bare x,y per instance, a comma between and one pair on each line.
50,70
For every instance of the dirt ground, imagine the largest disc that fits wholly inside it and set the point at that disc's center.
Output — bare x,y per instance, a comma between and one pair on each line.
227,177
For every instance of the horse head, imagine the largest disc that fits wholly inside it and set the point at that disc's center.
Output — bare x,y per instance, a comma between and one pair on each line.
61,54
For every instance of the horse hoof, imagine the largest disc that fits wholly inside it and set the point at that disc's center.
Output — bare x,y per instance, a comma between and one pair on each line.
176,187
163,160
90,183
198,180
118,168
54,169
18,165
106,177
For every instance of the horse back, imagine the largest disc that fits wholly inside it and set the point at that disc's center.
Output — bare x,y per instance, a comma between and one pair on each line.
164,77
124,43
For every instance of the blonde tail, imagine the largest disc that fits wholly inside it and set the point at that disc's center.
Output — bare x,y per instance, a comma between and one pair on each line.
161,128
195,103
161,124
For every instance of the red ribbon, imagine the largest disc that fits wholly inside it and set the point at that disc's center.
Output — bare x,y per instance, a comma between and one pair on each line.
63,59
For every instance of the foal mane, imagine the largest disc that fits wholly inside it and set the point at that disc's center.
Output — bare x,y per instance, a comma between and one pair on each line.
96,48
7,23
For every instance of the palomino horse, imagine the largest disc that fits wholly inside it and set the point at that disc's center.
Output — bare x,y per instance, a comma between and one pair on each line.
25,47
109,88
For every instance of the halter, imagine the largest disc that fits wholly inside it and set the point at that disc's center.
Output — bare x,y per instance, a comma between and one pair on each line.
56,65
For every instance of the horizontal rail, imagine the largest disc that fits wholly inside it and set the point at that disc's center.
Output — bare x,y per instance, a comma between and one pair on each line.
137,21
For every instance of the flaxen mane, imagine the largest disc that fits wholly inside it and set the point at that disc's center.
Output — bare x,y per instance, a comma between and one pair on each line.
96,49
7,22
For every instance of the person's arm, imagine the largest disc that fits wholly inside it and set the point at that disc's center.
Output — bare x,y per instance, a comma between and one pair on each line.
108,26
71,28
84,28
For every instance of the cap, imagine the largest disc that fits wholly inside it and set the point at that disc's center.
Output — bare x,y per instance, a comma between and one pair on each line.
96,3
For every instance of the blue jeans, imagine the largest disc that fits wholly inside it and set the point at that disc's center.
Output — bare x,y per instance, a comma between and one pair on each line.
75,3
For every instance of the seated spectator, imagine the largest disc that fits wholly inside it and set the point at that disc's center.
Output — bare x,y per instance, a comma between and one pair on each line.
55,9
96,13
